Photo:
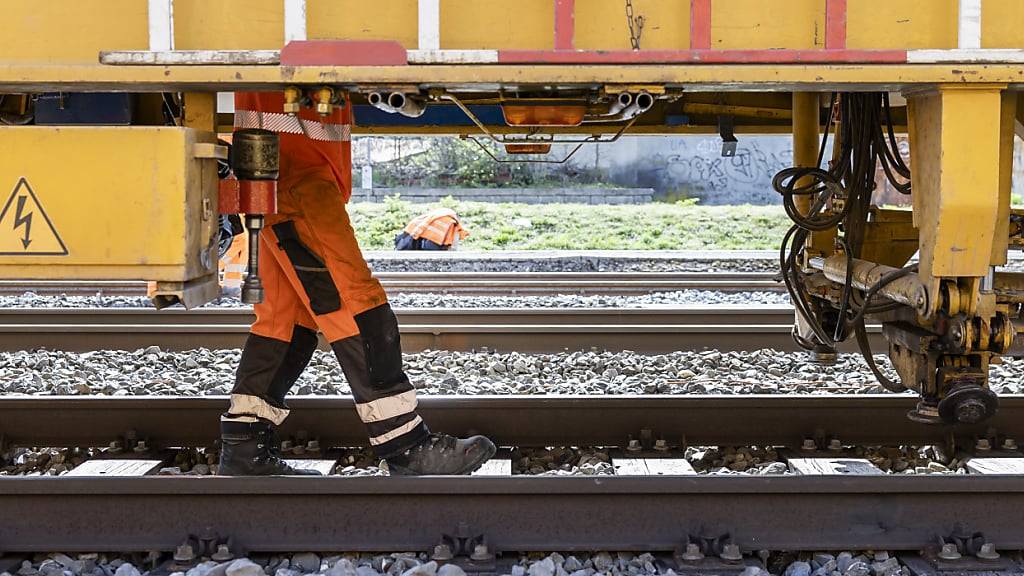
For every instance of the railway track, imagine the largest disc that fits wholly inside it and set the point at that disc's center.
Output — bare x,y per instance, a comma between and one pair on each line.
473,283
568,420
636,509
647,330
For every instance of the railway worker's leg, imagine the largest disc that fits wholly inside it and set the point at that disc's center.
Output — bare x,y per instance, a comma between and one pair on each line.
280,345
316,246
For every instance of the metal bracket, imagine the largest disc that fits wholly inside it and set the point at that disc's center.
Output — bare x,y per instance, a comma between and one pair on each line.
465,549
209,150
190,294
729,141
709,554
961,552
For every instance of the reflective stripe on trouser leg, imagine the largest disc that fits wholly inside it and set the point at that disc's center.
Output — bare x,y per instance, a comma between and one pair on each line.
385,400
387,408
247,408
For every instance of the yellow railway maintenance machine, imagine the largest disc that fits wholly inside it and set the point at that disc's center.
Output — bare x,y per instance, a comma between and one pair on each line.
109,149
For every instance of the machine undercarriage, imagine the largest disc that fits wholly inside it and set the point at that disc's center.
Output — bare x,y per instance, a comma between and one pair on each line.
150,169
846,260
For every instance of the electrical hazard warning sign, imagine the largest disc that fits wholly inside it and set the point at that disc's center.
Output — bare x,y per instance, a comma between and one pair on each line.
25,229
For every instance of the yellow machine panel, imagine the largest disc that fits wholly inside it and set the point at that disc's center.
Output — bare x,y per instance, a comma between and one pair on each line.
221,28
108,203
905,24
358,20
75,31
749,24
1002,24
600,25
469,24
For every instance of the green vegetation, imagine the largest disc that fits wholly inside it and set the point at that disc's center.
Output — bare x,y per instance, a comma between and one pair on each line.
658,226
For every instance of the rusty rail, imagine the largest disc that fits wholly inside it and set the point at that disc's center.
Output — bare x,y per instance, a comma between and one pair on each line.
471,283
784,420
512,513
652,330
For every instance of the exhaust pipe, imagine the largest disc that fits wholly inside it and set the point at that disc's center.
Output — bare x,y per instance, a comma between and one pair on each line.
406,105
376,99
626,106
641,103
620,103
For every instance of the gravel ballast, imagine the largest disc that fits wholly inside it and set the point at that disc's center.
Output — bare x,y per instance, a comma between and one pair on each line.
579,563
152,371
210,372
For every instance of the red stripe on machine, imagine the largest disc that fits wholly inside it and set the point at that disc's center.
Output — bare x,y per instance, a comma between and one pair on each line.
701,56
835,24
700,24
565,24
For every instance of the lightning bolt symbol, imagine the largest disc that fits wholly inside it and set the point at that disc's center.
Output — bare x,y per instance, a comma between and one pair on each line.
26,220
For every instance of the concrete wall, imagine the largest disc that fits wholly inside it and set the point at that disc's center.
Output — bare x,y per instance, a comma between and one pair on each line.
518,195
693,166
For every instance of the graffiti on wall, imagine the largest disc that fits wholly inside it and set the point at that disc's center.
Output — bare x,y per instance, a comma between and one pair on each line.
692,166
697,168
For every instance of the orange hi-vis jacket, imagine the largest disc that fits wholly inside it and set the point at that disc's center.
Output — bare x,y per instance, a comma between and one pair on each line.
441,226
309,142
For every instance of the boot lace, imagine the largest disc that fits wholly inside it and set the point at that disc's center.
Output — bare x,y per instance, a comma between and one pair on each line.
442,442
268,450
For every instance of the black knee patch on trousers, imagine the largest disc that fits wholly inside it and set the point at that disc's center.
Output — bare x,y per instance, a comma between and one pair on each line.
372,360
378,328
261,359
313,274
270,367
300,351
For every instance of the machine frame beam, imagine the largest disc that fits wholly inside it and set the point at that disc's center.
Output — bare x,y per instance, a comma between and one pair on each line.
36,77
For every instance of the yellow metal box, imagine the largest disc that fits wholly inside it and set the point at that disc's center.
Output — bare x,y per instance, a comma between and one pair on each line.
123,203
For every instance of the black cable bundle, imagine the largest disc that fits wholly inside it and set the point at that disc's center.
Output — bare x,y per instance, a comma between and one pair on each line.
866,137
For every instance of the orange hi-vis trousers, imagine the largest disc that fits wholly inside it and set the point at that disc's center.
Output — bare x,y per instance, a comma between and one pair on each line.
316,280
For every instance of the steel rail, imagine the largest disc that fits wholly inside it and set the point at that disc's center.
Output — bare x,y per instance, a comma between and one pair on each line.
769,314
783,420
533,331
513,513
471,283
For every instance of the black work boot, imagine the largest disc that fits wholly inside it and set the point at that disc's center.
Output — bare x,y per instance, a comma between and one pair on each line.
250,449
443,455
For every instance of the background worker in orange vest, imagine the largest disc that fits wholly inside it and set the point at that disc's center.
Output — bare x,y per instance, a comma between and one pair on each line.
315,279
234,255
439,229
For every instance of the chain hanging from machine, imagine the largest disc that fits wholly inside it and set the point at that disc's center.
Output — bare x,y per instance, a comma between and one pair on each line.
636,26
840,197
